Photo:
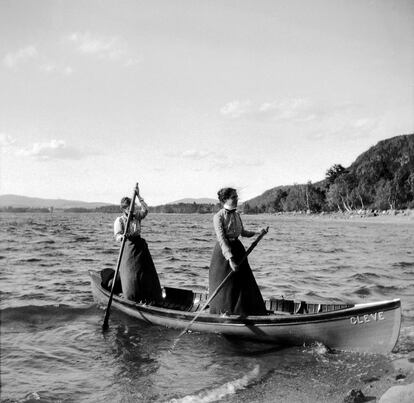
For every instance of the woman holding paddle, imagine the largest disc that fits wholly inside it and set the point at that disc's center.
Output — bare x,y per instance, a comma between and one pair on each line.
240,294
139,279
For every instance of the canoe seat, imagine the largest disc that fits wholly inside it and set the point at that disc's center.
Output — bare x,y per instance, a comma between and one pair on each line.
199,300
176,298
313,308
301,307
280,305
107,276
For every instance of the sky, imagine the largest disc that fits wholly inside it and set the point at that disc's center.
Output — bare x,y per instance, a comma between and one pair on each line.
189,96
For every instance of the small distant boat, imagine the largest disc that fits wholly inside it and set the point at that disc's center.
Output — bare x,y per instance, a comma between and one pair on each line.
369,327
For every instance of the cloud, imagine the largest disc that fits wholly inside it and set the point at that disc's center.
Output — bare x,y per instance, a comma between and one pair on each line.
322,121
226,162
345,123
364,123
213,160
292,109
6,140
299,109
108,48
52,150
6,143
55,68
236,109
319,121
196,154
11,60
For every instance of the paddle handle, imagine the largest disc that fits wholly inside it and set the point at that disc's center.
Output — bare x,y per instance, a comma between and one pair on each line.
263,232
118,263
252,246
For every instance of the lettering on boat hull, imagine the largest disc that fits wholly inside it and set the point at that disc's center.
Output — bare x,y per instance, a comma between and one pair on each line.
362,319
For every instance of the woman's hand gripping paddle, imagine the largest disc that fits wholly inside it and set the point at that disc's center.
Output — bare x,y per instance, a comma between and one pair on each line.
118,263
252,246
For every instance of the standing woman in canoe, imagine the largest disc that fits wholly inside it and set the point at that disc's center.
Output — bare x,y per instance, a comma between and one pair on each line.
240,295
139,279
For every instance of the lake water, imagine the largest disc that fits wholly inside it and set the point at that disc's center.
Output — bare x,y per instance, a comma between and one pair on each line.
52,344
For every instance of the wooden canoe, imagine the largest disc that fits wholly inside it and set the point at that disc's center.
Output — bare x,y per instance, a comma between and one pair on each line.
369,327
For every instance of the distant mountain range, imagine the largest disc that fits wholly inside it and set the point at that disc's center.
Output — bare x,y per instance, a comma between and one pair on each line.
17,201
11,200
203,200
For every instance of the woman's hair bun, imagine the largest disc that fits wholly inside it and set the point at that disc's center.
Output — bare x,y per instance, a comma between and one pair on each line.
225,193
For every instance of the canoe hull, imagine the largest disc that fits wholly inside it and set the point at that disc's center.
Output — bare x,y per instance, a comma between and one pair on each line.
372,327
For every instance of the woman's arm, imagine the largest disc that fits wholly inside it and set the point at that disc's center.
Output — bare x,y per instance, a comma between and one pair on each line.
142,213
221,237
244,232
118,229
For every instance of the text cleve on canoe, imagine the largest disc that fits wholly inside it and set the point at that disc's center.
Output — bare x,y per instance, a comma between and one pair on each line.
362,319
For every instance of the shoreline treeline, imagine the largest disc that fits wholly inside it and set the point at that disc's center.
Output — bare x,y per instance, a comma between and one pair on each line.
179,208
381,178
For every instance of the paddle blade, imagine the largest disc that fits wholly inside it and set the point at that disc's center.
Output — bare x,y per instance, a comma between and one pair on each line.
105,324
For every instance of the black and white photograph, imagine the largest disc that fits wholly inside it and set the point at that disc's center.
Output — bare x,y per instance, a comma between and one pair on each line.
207,201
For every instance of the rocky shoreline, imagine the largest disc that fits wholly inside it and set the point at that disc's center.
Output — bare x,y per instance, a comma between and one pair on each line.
371,215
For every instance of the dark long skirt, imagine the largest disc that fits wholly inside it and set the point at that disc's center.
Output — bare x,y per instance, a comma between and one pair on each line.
240,295
139,278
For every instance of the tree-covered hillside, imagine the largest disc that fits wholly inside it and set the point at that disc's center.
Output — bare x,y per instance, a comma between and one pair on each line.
186,208
381,178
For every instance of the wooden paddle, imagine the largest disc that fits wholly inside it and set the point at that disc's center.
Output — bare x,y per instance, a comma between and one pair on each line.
118,263
252,246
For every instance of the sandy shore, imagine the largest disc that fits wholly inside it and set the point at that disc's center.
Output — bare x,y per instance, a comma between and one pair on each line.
396,384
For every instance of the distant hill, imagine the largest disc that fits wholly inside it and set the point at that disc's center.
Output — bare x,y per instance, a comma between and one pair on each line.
11,200
188,206
381,178
196,201
267,197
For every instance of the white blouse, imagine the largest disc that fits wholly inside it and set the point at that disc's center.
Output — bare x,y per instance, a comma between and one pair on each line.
228,226
135,224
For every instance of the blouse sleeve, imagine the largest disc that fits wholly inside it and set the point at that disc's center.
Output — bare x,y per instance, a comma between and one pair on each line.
221,237
118,229
143,211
